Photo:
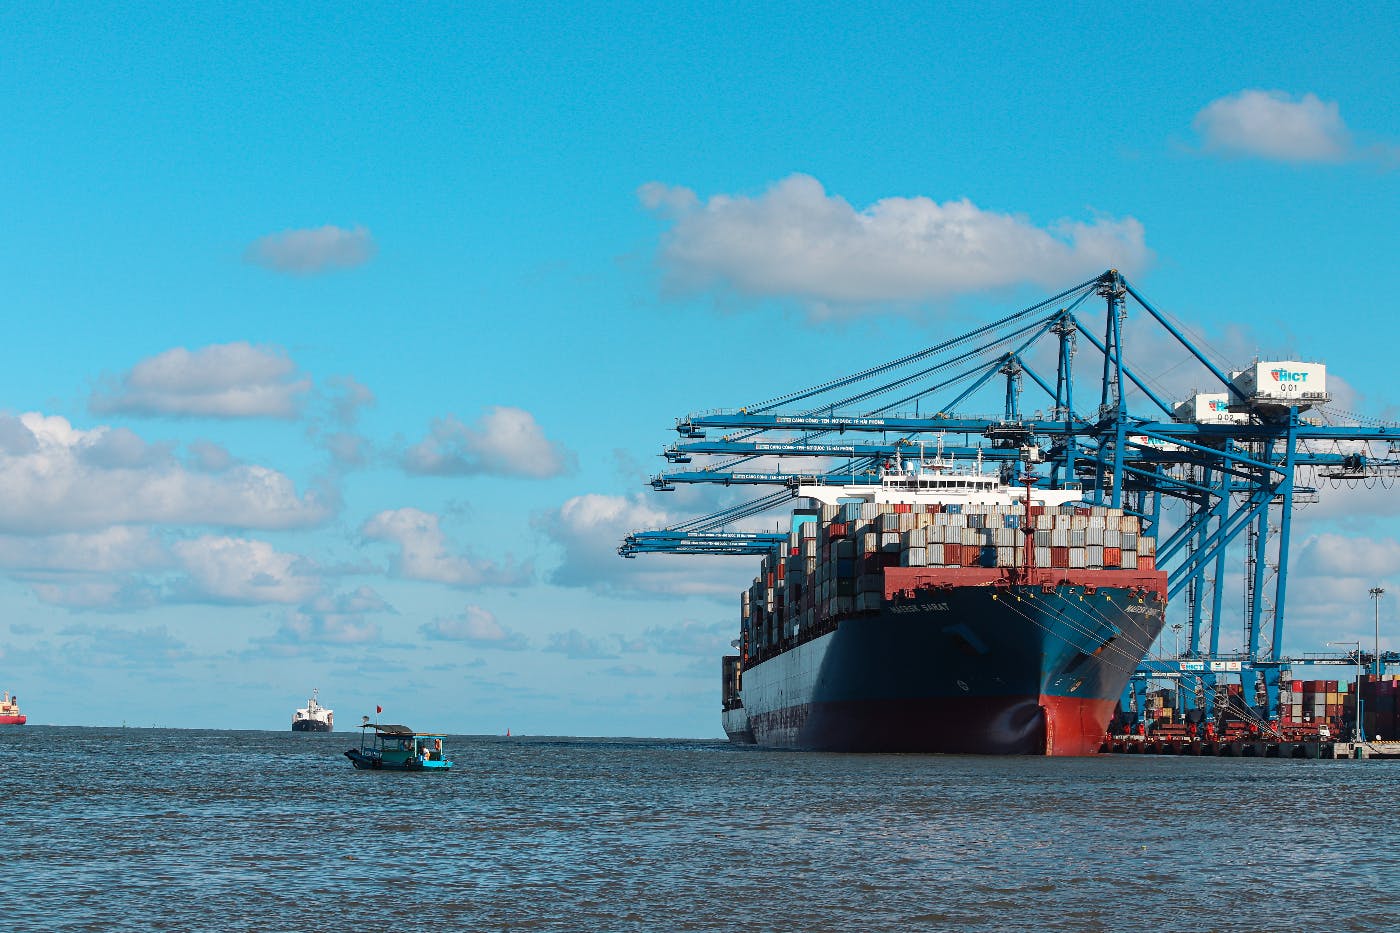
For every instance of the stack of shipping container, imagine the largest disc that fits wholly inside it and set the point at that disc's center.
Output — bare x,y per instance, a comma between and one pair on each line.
836,557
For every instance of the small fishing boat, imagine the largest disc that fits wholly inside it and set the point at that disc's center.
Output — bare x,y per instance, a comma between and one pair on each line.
385,747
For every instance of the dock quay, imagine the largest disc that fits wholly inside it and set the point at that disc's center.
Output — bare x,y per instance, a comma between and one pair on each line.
1253,747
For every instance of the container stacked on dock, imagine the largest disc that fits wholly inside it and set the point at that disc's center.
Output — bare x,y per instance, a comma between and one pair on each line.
1312,703
1380,703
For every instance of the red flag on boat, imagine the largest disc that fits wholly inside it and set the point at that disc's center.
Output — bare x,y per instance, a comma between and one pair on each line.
378,709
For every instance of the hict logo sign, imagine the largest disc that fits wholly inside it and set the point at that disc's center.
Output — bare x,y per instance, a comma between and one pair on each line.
1285,375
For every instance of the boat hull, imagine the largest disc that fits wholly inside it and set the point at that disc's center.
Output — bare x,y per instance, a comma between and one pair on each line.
14,720
968,665
310,725
366,762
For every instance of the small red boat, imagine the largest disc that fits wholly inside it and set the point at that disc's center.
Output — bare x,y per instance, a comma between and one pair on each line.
9,711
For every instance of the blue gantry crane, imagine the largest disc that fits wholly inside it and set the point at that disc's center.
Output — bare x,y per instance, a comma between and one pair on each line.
1216,477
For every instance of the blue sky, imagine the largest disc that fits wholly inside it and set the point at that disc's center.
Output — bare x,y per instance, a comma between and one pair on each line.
343,340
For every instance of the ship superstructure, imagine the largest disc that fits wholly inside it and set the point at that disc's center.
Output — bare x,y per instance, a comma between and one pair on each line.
313,717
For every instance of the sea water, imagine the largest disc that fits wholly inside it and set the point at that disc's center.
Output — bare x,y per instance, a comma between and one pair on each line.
156,829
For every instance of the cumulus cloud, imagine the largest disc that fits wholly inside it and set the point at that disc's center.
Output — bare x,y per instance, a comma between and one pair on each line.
301,628
796,240
329,619
1276,125
505,441
107,646
96,593
239,570
57,478
1339,556
423,552
691,637
575,644
229,380
476,626
588,530
312,251
117,549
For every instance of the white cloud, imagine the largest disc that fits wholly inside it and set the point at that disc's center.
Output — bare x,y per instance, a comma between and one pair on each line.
505,441
105,646
314,250
1339,556
1273,125
423,552
239,570
590,527
577,645
477,626
113,593
117,549
795,240
706,640
229,380
57,478
302,628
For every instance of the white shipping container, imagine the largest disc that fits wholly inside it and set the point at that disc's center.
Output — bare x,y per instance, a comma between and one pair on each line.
1042,557
1282,381
1208,408
889,541
1078,558
913,557
1128,560
933,555
1146,545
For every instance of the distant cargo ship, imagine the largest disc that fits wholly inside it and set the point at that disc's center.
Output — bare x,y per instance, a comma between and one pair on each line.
9,711
314,718
944,611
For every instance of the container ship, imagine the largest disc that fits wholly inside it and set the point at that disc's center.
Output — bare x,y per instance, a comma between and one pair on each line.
944,610
9,711
314,718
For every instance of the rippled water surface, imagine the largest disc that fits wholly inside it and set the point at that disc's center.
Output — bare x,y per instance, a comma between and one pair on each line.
151,829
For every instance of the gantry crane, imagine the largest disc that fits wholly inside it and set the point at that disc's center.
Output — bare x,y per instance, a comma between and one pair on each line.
1215,478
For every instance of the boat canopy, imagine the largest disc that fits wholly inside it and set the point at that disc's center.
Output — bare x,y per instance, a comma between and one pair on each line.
391,729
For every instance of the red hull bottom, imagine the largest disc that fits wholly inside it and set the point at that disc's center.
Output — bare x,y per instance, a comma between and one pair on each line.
13,720
1043,725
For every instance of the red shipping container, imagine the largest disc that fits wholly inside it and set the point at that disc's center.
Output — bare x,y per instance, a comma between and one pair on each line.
836,530
1112,556
1297,686
901,508
1059,557
1147,562
952,554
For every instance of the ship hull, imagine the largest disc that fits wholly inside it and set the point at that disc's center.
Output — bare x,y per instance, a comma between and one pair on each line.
15,720
968,664
310,725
